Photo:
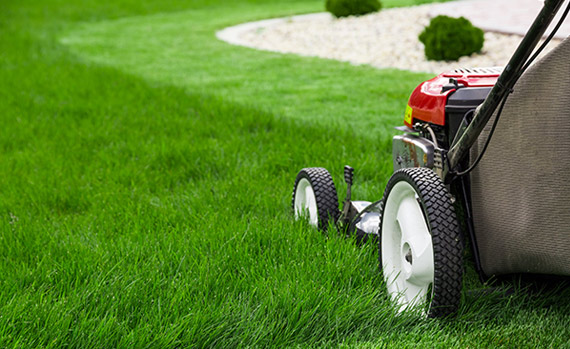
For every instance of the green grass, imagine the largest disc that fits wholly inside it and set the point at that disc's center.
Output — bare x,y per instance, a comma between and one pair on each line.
180,49
145,188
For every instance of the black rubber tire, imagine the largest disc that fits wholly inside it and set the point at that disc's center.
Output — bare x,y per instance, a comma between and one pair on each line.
441,220
325,194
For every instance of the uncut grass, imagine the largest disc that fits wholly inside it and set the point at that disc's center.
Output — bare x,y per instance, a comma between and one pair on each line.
141,214
184,235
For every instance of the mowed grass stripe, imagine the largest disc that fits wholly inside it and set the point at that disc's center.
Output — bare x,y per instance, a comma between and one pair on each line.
180,49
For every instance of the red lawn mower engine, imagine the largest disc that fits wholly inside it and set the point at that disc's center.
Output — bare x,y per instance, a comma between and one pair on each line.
437,108
432,99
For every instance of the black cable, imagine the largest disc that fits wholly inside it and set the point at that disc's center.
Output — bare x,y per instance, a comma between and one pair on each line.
548,39
523,69
459,174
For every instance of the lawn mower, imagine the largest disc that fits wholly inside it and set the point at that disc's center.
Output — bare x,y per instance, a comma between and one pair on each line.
510,194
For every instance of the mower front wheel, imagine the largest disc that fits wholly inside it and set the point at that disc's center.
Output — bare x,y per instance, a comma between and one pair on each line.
315,197
420,248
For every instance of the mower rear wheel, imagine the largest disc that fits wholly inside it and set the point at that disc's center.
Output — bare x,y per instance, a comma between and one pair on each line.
420,250
315,197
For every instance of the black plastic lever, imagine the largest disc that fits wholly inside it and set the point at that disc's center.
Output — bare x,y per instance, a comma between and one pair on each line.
348,175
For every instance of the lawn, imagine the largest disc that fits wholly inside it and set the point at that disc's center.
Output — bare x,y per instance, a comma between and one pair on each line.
145,179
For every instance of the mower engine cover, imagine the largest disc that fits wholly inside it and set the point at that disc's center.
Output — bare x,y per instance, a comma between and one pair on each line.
428,101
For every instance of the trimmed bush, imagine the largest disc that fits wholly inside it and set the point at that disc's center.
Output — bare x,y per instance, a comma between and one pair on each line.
447,38
344,8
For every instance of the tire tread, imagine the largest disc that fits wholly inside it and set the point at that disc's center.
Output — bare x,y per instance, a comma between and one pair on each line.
325,194
446,239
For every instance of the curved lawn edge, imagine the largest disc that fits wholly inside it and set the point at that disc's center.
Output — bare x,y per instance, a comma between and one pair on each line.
232,34
387,39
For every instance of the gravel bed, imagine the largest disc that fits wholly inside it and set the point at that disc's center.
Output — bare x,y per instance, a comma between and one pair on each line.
386,39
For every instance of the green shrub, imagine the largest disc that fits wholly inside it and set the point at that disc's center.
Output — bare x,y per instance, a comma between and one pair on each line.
344,8
447,38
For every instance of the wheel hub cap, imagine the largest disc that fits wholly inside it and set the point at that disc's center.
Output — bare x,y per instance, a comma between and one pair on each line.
306,202
407,250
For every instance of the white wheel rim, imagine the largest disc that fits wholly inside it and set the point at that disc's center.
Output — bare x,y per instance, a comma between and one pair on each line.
305,202
407,249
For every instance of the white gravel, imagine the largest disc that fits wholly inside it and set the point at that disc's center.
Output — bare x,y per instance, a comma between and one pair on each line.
386,39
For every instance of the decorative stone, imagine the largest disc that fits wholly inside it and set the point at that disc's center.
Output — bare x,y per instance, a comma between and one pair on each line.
386,39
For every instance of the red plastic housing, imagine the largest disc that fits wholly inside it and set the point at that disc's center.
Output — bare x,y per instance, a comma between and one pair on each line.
427,102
